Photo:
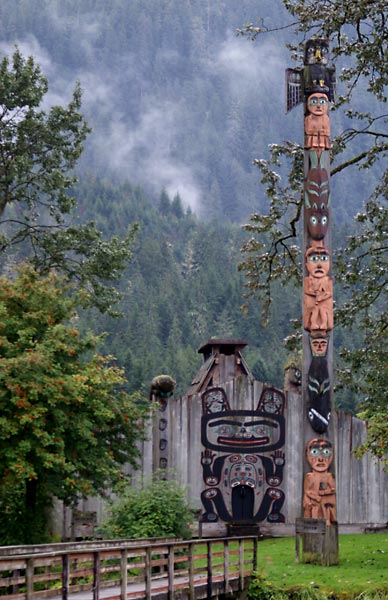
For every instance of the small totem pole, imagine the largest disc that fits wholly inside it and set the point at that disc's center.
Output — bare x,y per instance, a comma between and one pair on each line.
162,388
314,85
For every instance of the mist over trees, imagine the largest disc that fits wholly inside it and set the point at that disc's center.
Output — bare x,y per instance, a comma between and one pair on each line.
174,296
67,424
180,107
174,98
176,102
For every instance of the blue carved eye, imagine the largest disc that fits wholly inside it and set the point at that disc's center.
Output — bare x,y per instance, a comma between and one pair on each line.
314,451
314,101
326,452
314,258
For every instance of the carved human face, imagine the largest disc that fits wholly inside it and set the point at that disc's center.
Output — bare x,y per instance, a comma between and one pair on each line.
319,454
317,262
318,104
319,346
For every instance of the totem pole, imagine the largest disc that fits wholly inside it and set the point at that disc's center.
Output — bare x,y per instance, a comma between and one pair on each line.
162,388
314,85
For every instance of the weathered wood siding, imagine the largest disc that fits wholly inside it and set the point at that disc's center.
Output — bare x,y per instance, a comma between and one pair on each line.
362,485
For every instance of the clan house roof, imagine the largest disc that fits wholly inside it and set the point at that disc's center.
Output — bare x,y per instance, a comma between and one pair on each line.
223,362
221,346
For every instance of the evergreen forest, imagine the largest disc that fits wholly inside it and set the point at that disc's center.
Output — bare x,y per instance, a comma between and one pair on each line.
179,107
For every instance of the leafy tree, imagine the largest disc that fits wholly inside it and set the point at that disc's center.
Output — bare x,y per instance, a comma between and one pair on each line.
357,32
158,509
67,426
38,152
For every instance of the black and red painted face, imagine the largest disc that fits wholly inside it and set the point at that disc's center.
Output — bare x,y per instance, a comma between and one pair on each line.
243,431
317,219
247,431
317,199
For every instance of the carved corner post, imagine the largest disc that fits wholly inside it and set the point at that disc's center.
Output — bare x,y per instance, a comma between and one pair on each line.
162,389
314,86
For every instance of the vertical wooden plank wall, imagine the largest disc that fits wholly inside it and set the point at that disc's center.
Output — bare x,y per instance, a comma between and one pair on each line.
362,486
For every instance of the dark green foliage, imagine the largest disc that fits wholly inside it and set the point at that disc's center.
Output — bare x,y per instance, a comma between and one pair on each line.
159,509
23,524
39,150
67,426
176,62
357,33
181,288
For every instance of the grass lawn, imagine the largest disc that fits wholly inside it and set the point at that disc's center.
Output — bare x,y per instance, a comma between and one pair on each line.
362,568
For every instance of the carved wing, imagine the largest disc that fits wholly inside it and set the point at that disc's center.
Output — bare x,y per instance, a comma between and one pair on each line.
332,84
293,88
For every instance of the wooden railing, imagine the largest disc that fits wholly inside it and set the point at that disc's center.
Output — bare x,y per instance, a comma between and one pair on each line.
129,569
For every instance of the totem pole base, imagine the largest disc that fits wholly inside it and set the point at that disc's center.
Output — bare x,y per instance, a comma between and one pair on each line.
319,542
242,529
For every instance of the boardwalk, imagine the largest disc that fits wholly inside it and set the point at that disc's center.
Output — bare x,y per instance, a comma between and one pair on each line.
128,569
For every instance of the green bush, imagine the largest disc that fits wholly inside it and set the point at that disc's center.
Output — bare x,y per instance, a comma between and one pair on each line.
261,589
157,510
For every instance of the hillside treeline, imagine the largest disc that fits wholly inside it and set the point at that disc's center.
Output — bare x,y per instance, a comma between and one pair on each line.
180,107
181,288
174,97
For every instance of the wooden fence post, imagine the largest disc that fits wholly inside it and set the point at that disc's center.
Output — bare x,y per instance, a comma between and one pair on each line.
171,572
191,569
148,571
123,573
226,566
29,578
254,560
96,575
209,570
241,561
65,576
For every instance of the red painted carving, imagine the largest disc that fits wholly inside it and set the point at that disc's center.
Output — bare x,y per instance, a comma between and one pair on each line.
318,292
317,123
317,196
319,498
